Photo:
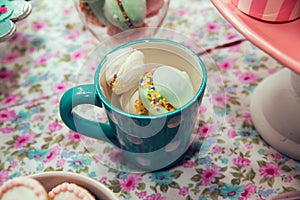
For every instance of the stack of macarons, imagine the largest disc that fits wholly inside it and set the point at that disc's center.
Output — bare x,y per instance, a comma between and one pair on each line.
120,15
147,89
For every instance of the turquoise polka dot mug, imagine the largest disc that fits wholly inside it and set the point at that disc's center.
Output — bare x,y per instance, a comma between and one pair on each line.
150,142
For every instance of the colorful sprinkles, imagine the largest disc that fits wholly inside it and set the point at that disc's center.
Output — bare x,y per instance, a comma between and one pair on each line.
152,95
140,107
113,82
126,19
89,14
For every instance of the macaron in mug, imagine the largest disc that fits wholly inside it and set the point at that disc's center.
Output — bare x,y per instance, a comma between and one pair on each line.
158,138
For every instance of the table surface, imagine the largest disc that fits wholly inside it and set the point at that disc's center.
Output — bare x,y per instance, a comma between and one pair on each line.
229,158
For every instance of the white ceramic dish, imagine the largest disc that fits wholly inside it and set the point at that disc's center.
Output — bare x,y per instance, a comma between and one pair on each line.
51,179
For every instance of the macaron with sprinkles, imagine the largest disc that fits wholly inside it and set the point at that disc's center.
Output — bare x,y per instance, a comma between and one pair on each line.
123,69
125,14
164,89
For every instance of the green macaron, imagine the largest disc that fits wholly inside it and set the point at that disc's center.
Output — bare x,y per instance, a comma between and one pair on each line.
125,14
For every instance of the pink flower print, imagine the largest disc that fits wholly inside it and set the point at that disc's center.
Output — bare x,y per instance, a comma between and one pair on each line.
34,102
249,191
67,11
130,182
61,87
10,57
189,164
241,162
43,59
181,12
227,64
206,130
60,162
98,157
6,75
3,176
231,133
220,99
24,42
11,99
23,140
270,170
234,48
7,115
231,36
247,117
76,55
288,179
54,126
203,109
229,25
272,70
53,153
204,11
38,118
13,164
231,120
156,196
194,34
7,130
237,73
16,36
91,68
75,137
38,26
217,149
277,156
142,194
247,77
213,26
55,101
103,179
209,175
190,44
73,35
183,191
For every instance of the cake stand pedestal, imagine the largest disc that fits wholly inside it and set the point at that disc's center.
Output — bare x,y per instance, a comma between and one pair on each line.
275,110
275,103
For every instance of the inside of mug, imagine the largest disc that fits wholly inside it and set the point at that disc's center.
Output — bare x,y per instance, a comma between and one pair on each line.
158,53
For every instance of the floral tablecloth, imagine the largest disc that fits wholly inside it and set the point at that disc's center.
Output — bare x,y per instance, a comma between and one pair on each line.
229,159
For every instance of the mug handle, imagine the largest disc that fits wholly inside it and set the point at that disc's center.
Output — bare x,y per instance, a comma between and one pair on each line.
84,94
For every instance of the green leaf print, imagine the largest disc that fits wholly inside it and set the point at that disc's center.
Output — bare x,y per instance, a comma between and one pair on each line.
235,181
199,170
176,174
286,168
271,182
250,175
114,186
174,185
164,188
288,189
141,186
196,178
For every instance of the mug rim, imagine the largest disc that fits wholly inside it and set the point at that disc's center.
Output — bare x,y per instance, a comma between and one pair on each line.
199,92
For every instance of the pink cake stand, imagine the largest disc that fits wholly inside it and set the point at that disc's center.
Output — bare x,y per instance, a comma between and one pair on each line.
275,103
